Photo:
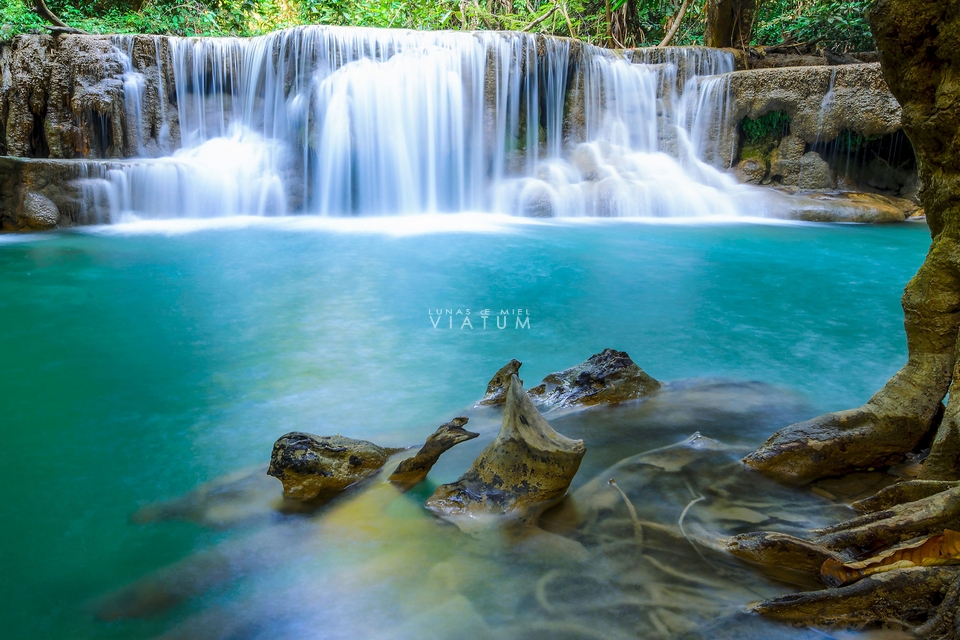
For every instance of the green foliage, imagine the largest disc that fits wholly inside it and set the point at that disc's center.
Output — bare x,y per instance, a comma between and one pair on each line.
768,127
15,18
840,24
837,24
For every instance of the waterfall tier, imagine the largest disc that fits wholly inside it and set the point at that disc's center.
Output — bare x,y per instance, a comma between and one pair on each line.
349,121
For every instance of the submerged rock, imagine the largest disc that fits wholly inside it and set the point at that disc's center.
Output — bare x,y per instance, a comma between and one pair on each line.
497,387
849,206
607,377
310,465
242,496
412,471
527,468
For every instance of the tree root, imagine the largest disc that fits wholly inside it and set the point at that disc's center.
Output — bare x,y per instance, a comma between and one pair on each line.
945,625
903,595
781,550
838,443
901,493
905,412
899,523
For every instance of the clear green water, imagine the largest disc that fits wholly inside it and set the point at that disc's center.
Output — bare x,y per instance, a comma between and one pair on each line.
138,363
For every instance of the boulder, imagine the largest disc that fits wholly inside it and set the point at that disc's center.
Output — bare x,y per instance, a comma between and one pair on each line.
785,160
526,469
751,170
815,173
38,193
37,212
497,387
413,471
310,465
608,377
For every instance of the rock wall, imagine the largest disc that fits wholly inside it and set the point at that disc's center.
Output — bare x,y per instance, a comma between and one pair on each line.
861,100
38,194
64,97
822,102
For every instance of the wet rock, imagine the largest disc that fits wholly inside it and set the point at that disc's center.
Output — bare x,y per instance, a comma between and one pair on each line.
63,97
497,387
751,170
779,549
815,173
527,468
40,193
608,377
240,497
413,471
851,207
38,212
310,465
537,200
785,161
861,100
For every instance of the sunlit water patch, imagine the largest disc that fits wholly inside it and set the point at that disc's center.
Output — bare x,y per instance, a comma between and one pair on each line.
143,361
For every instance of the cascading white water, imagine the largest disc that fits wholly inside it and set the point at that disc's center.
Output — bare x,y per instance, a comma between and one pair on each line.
350,121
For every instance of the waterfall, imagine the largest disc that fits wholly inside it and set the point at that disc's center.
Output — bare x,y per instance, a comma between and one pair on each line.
352,121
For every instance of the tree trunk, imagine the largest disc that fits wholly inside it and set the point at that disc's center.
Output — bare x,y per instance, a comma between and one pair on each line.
41,8
730,23
917,44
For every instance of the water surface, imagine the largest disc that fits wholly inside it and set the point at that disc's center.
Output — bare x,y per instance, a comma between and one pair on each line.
141,361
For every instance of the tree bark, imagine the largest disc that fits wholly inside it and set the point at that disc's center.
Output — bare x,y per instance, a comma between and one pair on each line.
41,8
917,42
730,23
675,25
59,26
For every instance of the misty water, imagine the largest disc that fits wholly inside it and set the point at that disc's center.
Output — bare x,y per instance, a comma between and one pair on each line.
143,360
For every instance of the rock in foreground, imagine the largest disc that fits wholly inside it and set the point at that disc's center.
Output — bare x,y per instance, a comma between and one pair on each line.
497,387
412,471
607,377
527,468
310,465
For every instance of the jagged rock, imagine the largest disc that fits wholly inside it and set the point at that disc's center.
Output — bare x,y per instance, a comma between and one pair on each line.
608,377
497,388
412,471
527,468
310,465
63,97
